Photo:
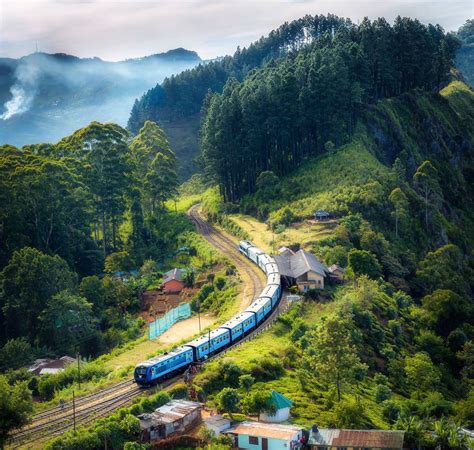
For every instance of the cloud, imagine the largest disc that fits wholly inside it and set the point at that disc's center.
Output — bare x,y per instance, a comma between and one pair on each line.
116,30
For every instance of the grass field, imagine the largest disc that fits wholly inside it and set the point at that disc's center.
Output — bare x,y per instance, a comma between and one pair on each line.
306,233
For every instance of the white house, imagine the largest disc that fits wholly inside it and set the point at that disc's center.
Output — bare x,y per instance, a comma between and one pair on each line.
218,424
283,406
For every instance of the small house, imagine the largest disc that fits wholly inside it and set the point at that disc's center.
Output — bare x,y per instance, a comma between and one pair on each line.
173,281
321,215
282,412
302,269
50,366
336,273
328,439
266,436
217,424
177,416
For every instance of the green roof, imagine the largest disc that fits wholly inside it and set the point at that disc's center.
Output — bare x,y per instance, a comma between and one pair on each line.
280,400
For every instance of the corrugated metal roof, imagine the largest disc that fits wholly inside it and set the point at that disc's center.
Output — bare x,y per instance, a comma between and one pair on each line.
299,263
174,274
268,430
171,412
357,438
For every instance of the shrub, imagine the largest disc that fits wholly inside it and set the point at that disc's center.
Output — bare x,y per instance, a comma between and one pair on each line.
382,393
179,391
390,411
265,369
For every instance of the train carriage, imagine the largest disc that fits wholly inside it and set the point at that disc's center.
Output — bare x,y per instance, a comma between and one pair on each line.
271,268
163,366
209,343
244,247
253,253
260,307
240,325
272,292
274,278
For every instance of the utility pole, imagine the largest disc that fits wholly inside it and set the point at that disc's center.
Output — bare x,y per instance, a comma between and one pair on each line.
199,315
79,369
74,410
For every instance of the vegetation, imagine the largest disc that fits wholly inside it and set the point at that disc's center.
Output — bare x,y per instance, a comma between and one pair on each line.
465,56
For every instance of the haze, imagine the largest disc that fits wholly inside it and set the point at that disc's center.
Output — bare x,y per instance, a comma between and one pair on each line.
116,30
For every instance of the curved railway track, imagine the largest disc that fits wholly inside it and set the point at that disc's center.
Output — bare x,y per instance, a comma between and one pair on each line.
55,421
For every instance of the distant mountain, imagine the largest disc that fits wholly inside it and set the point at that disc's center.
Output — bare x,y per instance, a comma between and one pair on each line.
45,96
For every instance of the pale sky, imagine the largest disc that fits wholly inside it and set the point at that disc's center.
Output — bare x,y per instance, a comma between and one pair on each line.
115,30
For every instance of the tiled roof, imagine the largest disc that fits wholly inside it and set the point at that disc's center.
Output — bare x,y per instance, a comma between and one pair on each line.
268,430
357,438
299,263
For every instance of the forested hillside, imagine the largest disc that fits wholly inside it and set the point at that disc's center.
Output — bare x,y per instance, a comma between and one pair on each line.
465,57
176,103
72,215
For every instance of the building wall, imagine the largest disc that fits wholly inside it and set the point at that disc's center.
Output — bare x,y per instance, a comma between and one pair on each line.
173,286
273,444
310,279
280,416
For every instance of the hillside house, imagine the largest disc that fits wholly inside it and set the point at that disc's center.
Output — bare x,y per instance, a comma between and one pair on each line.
266,436
177,416
336,273
48,366
302,269
321,215
283,406
173,281
217,424
335,439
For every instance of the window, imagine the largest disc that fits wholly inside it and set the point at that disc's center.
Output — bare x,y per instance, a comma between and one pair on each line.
253,440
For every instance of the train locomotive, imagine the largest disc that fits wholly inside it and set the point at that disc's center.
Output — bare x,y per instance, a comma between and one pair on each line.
200,349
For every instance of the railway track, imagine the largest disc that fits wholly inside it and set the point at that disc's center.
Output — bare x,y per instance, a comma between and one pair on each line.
55,421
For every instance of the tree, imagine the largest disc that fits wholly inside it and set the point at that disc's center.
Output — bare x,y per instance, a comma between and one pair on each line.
29,281
246,381
15,354
350,413
16,406
362,262
414,430
421,373
331,354
260,402
66,321
118,262
444,310
228,400
382,393
400,204
426,181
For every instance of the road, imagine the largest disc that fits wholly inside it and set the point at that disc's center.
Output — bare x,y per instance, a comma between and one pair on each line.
51,423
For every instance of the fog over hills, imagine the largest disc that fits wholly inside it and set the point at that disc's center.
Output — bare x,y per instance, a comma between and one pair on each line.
45,96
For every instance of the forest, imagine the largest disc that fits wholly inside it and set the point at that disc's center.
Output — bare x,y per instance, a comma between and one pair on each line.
74,214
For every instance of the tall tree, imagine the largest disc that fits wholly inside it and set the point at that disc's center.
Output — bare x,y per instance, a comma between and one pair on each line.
400,203
331,354
426,181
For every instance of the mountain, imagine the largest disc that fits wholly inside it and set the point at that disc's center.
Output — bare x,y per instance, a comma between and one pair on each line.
46,96
177,103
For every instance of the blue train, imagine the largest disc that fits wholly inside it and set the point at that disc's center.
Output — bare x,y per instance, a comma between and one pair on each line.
179,359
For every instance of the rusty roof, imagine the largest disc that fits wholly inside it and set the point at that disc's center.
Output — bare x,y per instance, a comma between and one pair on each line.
171,412
357,438
268,430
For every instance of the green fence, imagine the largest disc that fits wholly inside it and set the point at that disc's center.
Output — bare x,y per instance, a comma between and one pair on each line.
160,325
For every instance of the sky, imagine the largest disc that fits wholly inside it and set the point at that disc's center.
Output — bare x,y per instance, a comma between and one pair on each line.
115,30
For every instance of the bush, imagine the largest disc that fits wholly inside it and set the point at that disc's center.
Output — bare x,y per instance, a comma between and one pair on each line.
178,391
390,411
266,369
382,393
15,353
46,387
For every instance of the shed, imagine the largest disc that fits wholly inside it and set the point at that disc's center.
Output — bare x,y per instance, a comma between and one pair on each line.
283,406
336,272
328,438
321,215
173,281
177,416
218,424
266,436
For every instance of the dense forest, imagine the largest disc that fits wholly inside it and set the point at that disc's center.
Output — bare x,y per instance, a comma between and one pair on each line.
89,206
299,105
465,56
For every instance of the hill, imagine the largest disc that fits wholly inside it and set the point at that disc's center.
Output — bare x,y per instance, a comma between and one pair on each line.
45,96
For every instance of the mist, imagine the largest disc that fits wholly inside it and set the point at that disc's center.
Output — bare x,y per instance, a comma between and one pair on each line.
45,97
